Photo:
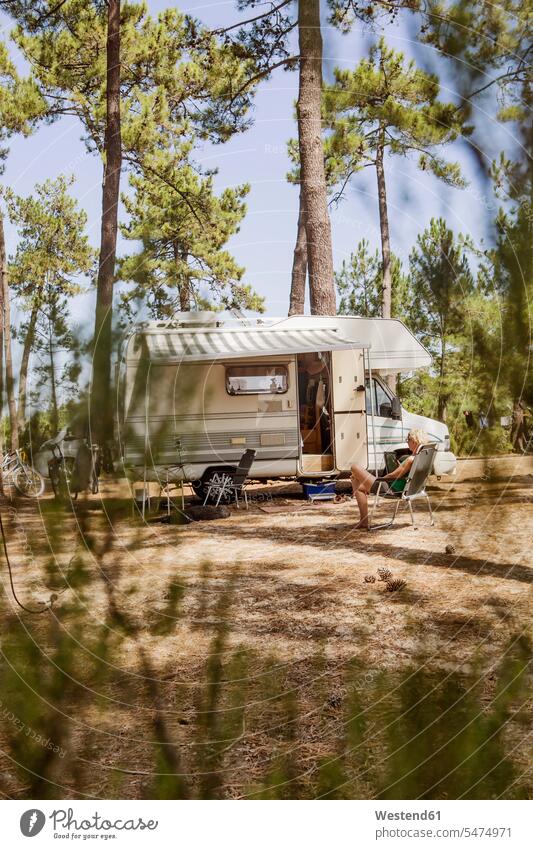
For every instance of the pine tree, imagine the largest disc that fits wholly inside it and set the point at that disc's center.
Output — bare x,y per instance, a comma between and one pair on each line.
183,227
512,264
442,285
20,106
91,57
360,280
52,252
490,48
387,106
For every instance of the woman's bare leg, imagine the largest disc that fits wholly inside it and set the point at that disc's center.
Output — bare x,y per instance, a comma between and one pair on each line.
362,482
361,479
361,497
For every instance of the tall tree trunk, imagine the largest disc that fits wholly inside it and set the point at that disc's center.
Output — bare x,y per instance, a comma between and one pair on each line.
386,296
101,400
2,447
53,388
10,381
299,264
185,289
313,178
442,401
185,296
1,357
386,281
24,363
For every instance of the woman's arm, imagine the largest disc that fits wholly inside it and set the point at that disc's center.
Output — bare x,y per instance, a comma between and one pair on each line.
402,471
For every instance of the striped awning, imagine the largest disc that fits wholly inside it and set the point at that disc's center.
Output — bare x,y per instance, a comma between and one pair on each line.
190,345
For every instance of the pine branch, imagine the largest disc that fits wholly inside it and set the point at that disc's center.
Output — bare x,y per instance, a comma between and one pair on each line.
271,11
145,167
513,74
264,73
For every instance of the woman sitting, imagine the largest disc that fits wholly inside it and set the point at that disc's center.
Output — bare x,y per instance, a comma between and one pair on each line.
363,482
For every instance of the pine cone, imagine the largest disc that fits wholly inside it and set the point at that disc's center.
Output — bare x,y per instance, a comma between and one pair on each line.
396,585
370,579
450,549
384,574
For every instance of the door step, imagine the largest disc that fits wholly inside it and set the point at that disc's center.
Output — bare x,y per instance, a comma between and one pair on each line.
317,463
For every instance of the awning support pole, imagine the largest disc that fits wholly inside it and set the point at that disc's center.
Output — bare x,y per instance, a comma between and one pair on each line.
372,408
146,443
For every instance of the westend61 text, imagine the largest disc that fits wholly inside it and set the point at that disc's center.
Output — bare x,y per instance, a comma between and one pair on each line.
407,815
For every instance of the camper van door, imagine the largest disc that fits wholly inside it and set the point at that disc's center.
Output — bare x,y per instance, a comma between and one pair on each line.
349,416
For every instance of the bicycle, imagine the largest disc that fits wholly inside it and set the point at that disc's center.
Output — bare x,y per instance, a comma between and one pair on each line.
16,471
69,475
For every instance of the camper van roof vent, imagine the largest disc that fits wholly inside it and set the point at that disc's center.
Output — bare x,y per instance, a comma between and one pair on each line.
200,318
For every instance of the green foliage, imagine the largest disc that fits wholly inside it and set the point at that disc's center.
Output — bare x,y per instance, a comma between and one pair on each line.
345,13
359,284
442,744
52,254
492,42
21,103
173,73
177,86
512,268
441,284
389,103
183,227
53,249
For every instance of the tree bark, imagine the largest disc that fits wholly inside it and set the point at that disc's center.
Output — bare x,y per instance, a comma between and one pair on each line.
386,281
442,401
53,388
313,178
101,404
24,363
2,447
184,287
299,265
10,381
386,295
185,296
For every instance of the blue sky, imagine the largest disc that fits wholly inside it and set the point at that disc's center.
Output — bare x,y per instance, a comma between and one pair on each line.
265,242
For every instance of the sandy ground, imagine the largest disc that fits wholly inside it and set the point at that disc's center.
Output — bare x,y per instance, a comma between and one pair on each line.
297,589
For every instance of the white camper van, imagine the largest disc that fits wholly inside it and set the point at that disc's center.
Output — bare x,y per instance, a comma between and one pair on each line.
306,392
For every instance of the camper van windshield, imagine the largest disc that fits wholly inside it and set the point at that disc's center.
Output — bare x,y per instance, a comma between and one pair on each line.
256,380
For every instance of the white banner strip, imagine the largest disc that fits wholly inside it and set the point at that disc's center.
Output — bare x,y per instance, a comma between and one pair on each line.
264,825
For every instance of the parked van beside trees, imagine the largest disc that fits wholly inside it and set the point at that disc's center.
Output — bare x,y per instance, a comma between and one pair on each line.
307,393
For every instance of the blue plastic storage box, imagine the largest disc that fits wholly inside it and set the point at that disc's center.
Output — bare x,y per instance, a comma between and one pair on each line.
319,491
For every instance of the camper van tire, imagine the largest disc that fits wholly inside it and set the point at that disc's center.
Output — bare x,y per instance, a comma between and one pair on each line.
210,476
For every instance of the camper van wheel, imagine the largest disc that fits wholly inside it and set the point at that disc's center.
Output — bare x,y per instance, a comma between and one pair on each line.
198,488
209,479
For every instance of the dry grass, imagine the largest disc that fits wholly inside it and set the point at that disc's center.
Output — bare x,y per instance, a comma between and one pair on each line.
299,596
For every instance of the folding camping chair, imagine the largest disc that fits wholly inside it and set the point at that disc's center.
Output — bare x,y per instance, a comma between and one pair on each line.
415,488
232,484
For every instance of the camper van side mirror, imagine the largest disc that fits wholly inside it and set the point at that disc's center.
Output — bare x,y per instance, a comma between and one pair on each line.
396,408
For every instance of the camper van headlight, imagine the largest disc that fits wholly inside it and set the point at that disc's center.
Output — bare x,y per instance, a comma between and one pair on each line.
447,444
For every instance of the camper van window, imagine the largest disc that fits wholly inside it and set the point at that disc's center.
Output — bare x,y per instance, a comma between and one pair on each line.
256,380
381,397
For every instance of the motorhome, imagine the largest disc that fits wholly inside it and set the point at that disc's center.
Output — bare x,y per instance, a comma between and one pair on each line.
307,393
